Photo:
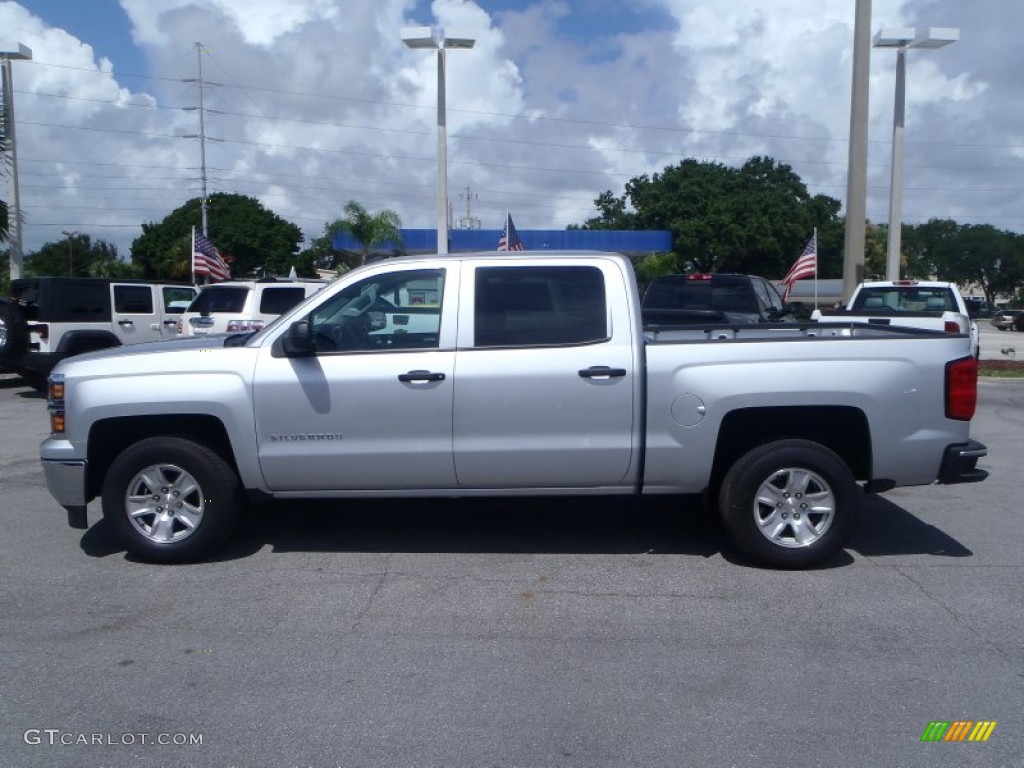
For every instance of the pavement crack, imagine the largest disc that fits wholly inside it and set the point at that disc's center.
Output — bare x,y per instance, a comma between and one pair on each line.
381,578
953,614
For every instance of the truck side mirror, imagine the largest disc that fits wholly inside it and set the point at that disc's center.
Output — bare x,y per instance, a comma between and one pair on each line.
298,341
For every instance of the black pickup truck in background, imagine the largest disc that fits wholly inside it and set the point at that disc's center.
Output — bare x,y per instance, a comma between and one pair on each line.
698,298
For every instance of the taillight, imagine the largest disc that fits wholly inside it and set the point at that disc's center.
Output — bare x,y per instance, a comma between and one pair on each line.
42,329
961,388
951,326
241,326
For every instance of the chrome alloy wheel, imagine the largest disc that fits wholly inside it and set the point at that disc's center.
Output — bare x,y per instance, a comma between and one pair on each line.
794,507
164,503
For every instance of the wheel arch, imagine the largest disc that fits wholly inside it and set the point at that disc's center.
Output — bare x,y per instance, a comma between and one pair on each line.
109,437
79,342
842,429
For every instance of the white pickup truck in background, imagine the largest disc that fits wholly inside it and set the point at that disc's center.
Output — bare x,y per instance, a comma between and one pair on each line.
929,305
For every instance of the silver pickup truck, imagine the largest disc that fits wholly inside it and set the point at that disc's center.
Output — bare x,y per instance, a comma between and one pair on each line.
509,374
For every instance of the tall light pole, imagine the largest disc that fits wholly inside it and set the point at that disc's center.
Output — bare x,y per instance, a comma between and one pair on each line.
857,163
902,38
434,37
9,52
71,259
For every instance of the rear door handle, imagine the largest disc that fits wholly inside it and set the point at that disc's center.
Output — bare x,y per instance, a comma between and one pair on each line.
170,322
126,322
602,372
420,376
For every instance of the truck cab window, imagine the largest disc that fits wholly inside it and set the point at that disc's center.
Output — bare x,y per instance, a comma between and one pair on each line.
539,306
396,310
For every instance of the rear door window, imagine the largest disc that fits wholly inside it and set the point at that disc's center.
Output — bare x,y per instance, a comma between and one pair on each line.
229,298
539,306
277,301
133,300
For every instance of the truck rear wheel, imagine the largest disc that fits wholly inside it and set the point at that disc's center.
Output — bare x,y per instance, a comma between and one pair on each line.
170,499
789,503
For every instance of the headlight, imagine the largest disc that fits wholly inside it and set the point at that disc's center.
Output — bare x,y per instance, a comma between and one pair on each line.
55,398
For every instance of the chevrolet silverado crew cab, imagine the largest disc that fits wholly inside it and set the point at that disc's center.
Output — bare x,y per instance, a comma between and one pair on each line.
48,319
509,374
925,304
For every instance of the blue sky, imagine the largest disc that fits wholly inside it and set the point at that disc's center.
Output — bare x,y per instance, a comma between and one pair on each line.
559,101
103,24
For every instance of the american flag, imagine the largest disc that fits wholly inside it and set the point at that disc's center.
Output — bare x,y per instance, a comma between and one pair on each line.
805,266
509,240
206,260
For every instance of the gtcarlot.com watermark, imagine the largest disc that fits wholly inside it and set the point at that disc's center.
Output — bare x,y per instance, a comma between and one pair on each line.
57,737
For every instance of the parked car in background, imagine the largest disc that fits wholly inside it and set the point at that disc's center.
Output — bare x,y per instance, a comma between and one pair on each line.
243,306
48,319
925,304
1007,319
713,299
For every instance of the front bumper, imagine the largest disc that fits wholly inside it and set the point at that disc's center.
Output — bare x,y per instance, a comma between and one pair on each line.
65,479
959,463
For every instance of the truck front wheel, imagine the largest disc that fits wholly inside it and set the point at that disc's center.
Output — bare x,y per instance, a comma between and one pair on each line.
170,499
789,503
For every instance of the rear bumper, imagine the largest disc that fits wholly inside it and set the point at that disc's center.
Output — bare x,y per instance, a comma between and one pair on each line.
959,463
43,362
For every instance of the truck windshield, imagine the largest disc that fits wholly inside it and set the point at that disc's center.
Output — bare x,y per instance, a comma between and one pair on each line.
904,298
721,294
220,299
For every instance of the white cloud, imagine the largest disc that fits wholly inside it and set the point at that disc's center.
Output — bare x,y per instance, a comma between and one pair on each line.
322,103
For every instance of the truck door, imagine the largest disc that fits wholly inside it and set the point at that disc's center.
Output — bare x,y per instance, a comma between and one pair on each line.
545,378
372,408
136,317
175,300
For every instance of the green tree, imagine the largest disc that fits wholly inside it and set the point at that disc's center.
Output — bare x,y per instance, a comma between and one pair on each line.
255,241
756,218
320,253
968,254
370,229
77,255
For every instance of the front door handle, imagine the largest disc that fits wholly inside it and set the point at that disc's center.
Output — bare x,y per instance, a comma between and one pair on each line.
420,376
602,372
126,322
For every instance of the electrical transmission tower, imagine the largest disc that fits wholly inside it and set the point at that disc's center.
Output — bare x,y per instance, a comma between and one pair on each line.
203,138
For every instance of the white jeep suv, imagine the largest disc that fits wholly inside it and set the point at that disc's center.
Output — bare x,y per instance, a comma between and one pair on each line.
242,306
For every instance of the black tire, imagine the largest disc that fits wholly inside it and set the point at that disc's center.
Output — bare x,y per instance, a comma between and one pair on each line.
816,502
185,497
38,380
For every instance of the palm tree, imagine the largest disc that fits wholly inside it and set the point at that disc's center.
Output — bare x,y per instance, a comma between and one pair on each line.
370,229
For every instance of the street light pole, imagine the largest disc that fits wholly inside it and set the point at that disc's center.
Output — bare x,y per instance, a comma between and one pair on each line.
902,38
9,52
70,236
428,37
857,158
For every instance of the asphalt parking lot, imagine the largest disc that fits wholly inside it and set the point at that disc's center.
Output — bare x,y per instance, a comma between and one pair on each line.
527,634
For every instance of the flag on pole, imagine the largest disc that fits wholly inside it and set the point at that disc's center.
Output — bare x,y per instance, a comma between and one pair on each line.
805,266
509,240
206,259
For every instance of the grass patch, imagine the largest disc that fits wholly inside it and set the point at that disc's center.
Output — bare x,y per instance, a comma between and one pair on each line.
1003,369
